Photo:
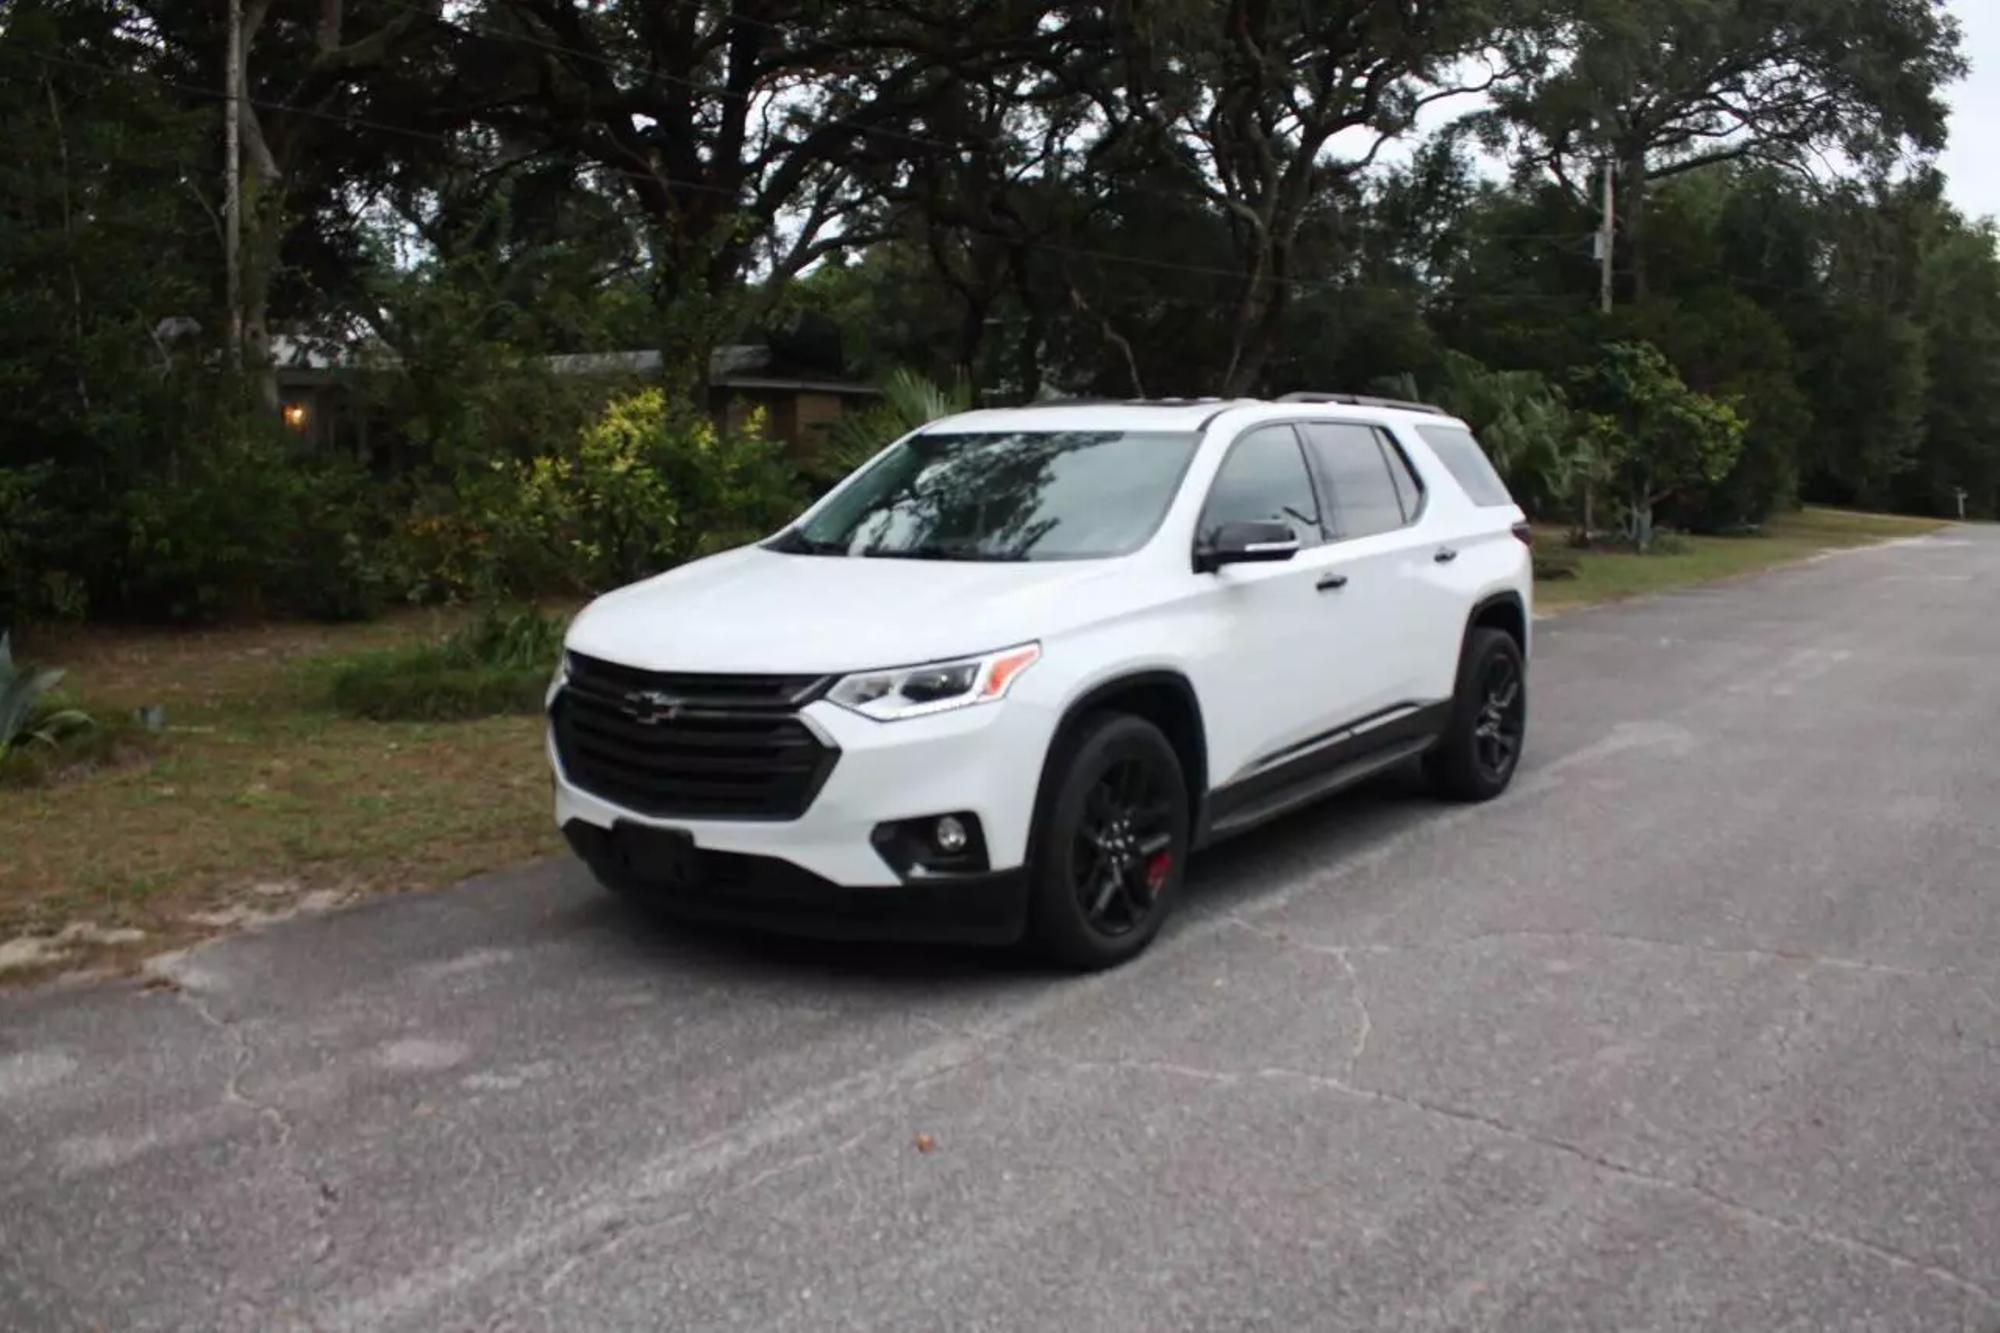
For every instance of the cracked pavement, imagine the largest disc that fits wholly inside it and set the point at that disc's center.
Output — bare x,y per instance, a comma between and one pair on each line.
1698,1027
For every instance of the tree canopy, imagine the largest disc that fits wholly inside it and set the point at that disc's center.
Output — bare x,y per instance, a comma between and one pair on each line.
1167,197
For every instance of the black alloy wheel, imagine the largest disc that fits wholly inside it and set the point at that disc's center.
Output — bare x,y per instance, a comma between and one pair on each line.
1123,852
1503,717
1476,756
1111,842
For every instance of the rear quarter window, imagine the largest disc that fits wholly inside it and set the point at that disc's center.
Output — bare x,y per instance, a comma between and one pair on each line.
1467,463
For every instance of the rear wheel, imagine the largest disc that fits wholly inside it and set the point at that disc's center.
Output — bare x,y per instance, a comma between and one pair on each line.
1111,844
1476,757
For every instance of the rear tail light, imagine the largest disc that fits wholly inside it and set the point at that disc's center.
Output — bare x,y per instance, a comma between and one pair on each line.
1526,533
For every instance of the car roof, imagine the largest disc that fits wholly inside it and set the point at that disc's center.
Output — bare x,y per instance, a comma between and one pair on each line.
1185,414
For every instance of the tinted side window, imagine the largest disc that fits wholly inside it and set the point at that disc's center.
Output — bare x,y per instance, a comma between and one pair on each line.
1466,461
1408,489
1362,491
1264,480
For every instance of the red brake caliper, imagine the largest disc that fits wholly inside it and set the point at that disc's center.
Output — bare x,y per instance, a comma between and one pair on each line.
1157,871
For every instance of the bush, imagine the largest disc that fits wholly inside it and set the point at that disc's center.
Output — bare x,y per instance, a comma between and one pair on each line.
418,685
518,638
1655,437
23,521
649,486
28,717
249,525
41,738
500,663
642,488
908,401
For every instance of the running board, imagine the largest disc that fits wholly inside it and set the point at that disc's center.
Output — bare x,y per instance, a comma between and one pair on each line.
1318,787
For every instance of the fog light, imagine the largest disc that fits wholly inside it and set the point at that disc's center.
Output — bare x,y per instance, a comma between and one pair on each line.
949,835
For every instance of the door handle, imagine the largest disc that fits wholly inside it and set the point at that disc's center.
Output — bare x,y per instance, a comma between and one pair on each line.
1445,555
1333,583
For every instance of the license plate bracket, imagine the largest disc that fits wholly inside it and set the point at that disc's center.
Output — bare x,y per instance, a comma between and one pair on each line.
662,856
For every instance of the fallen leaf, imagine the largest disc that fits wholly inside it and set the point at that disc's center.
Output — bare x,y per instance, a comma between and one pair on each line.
925,1143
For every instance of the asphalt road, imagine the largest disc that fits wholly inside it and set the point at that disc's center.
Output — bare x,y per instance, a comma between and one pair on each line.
1699,1027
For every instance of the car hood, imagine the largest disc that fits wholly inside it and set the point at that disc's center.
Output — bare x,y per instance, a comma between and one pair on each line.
754,610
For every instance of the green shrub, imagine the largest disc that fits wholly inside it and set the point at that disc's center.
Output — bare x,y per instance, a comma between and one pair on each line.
908,401
650,485
509,638
250,525
73,753
40,737
419,685
500,663
23,523
27,715
1654,437
644,487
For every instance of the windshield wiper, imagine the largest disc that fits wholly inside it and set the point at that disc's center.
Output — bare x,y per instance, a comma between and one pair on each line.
963,554
792,541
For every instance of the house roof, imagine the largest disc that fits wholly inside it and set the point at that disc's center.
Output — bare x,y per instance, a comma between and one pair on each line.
735,366
318,360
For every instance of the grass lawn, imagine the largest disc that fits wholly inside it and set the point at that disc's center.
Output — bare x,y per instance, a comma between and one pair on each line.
1603,576
259,798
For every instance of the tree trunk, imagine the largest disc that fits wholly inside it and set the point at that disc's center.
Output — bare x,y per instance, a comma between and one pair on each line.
1030,353
971,334
1641,522
1634,184
260,195
69,251
263,236
1258,320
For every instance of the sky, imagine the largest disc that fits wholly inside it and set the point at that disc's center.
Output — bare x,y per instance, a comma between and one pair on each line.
1973,159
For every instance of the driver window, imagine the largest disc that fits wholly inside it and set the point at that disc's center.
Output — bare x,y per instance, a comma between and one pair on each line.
1264,480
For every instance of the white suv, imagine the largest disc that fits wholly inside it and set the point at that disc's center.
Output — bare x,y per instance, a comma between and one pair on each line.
1009,674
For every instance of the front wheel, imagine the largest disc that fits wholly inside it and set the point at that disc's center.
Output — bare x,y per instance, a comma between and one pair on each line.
1111,844
1476,757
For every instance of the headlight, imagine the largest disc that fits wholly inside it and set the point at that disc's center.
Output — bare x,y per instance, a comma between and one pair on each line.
935,687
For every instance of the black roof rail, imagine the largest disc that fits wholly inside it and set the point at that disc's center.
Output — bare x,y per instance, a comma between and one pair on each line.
1362,400
1203,400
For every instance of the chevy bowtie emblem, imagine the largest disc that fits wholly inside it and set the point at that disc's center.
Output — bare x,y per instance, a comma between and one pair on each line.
649,708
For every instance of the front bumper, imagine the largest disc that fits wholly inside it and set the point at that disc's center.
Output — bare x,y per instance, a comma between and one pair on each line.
984,760
773,894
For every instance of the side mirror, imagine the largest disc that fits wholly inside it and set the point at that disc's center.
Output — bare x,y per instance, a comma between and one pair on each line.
1245,544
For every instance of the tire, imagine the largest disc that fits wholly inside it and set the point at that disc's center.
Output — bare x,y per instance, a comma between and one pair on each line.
1480,751
1103,881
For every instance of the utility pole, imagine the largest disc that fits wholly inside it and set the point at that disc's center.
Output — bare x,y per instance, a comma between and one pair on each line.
232,226
1607,235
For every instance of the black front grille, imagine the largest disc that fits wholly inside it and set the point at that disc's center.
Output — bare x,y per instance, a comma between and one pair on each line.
694,746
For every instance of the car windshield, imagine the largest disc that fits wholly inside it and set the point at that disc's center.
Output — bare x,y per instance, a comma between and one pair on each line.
1014,495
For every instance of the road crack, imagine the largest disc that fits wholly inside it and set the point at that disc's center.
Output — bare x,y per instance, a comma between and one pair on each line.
322,1193
1365,1022
1747,953
1886,1254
